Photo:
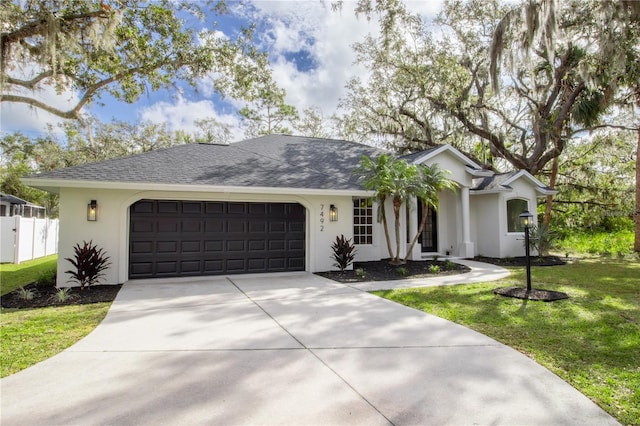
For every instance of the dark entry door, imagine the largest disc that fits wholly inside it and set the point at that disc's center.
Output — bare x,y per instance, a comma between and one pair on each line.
429,237
190,238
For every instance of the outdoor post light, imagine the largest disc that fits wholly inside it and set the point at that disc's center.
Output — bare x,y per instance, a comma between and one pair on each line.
92,211
333,213
525,220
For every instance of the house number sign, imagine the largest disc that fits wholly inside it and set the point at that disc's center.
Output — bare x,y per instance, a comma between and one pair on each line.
321,217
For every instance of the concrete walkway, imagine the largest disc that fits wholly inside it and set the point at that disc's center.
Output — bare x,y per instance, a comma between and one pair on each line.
284,349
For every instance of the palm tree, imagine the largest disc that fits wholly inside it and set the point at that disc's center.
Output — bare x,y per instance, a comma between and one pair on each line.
405,184
376,176
431,181
389,178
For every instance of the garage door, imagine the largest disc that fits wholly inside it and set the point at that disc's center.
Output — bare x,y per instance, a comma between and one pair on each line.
190,238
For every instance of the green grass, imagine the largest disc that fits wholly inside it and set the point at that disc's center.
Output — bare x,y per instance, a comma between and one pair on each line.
29,336
591,340
618,243
14,276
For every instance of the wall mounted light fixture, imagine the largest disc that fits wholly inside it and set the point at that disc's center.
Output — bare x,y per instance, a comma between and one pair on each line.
333,213
92,211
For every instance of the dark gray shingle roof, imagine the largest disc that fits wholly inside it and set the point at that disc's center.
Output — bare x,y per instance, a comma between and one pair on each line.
275,161
495,182
410,158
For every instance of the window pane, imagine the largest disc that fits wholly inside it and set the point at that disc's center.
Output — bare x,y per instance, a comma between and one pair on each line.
362,221
514,208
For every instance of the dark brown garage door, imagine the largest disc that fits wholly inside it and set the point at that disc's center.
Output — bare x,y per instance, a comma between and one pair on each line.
190,238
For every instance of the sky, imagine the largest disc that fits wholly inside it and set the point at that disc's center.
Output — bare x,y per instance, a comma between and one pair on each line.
309,48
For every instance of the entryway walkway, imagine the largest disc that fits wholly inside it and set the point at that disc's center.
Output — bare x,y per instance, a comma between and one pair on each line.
284,349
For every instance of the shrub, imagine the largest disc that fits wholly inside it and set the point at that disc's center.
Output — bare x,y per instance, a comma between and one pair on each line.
47,278
89,262
600,243
62,295
449,265
360,272
402,271
434,269
541,239
25,293
343,252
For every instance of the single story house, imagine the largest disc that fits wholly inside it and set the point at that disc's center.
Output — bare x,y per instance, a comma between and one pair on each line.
270,204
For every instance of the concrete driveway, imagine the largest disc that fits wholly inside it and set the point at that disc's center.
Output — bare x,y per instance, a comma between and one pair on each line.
284,349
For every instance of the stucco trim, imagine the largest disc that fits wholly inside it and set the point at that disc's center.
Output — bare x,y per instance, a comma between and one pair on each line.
444,148
54,185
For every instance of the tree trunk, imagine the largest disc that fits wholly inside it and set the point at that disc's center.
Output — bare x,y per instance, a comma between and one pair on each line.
383,213
636,216
552,185
397,203
423,223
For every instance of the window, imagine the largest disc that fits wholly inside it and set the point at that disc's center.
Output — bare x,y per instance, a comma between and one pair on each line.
514,208
363,221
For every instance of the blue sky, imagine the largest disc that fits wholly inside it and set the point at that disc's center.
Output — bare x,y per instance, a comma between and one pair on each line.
309,48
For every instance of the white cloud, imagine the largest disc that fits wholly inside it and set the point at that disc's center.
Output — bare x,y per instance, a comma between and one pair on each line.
182,115
327,36
285,28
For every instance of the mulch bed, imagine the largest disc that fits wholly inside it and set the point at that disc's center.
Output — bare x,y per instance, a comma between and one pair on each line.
44,296
383,271
534,294
522,261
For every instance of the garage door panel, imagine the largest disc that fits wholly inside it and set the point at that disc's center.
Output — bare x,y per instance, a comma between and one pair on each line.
213,267
168,225
236,265
168,206
214,225
295,263
213,246
190,267
140,226
167,247
192,207
191,225
257,245
237,208
191,247
167,267
175,238
141,247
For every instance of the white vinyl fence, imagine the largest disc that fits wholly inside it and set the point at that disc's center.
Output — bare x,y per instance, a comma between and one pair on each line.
27,238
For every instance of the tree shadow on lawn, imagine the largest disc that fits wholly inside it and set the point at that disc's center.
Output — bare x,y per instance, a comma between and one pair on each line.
587,328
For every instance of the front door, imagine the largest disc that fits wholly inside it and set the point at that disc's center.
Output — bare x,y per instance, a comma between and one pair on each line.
429,237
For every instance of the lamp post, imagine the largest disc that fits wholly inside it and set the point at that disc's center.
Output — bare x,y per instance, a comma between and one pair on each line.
525,220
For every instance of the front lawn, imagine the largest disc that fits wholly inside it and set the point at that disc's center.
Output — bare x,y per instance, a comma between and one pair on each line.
29,336
591,340
14,276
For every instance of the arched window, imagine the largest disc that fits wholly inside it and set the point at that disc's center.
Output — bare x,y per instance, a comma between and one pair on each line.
514,208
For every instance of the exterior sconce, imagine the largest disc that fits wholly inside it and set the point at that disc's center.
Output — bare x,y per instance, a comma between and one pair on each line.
92,211
333,213
525,219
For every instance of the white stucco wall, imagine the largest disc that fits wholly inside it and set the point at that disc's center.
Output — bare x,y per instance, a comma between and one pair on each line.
378,250
485,224
489,223
513,242
111,230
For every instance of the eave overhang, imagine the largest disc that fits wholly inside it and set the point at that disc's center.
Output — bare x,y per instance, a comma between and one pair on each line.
54,186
